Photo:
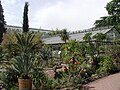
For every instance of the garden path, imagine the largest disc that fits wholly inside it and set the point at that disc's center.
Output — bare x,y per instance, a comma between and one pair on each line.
111,82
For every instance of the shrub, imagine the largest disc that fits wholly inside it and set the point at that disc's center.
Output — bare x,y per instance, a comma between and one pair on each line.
72,48
9,79
106,66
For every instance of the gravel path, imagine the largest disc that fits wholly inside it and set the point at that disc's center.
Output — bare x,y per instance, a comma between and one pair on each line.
111,82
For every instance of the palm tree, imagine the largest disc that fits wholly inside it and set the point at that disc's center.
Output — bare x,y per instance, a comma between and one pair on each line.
23,61
64,35
23,64
25,47
24,43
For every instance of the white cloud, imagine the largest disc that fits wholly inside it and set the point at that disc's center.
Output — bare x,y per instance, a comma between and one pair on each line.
71,14
12,11
11,1
74,15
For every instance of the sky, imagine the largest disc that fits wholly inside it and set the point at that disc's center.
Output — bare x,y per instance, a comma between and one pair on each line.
51,14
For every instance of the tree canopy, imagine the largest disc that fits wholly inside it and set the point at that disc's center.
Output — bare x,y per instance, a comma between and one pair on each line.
25,18
113,18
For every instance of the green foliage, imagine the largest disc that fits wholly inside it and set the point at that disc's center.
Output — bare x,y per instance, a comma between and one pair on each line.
87,37
16,43
113,7
9,79
23,63
2,23
39,79
28,52
2,56
45,53
64,35
72,48
23,54
106,66
114,16
92,65
24,47
24,42
89,45
99,37
53,84
104,21
83,49
25,18
73,74
114,52
93,44
42,82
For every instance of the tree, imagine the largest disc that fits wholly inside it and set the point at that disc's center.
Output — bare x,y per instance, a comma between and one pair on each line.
113,9
25,18
64,35
104,21
2,23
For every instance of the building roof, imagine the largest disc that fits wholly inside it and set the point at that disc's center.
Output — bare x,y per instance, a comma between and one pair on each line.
77,36
31,29
53,40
